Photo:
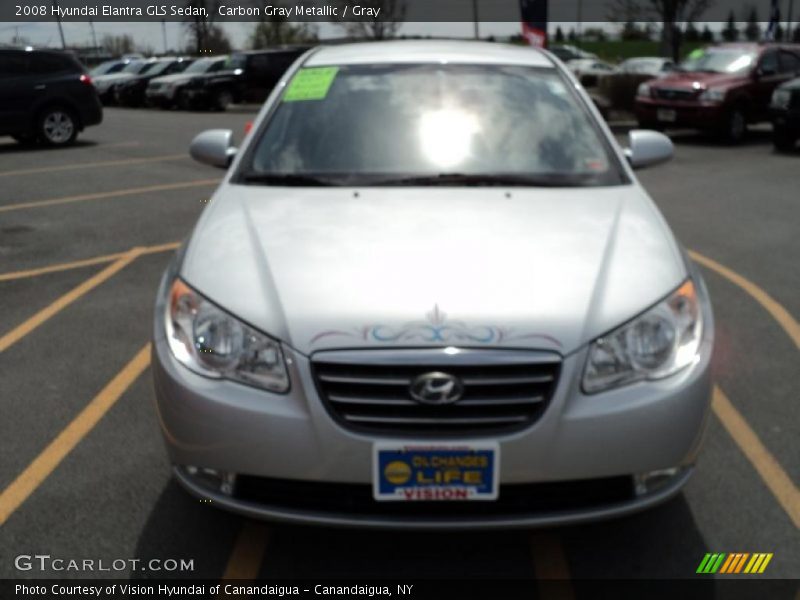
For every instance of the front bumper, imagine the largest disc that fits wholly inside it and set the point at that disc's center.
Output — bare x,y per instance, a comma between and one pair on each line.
264,437
694,115
161,94
787,119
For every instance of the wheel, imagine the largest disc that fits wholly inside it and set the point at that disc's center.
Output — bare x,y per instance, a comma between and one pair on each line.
783,140
182,101
222,100
735,128
57,126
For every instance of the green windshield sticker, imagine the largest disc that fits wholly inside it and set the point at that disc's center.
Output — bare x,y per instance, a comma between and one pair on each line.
310,84
695,54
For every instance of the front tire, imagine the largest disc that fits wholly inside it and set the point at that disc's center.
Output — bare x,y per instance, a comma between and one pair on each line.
57,126
222,100
735,127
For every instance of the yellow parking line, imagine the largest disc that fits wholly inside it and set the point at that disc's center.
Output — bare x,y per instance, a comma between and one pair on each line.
550,566
778,312
86,262
113,194
248,552
61,303
765,464
93,165
47,461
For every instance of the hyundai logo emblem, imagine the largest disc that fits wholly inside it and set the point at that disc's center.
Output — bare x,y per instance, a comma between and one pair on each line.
436,388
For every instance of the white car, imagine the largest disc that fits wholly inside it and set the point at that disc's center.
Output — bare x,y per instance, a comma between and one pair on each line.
431,293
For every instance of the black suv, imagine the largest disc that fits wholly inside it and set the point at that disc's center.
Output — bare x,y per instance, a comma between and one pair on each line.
247,77
46,96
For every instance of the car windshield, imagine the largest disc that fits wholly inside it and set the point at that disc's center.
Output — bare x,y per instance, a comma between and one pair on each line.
202,65
159,67
720,61
107,68
134,67
430,125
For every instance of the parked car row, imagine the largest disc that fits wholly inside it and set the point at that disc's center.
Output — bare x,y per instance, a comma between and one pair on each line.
724,88
207,83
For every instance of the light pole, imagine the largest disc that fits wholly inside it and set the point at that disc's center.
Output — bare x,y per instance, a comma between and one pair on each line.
475,18
60,29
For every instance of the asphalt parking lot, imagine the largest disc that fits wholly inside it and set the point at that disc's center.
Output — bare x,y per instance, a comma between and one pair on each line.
84,236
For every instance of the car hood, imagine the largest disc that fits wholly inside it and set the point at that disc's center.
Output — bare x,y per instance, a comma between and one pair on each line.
324,268
697,80
175,77
114,77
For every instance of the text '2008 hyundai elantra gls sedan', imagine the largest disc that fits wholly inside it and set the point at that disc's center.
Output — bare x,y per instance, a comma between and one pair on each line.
431,293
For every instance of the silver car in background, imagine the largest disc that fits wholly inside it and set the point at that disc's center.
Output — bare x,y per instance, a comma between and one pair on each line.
431,293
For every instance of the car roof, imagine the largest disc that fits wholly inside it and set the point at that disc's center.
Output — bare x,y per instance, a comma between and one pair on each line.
428,51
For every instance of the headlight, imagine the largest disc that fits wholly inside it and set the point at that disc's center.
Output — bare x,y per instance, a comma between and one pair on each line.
712,95
213,343
643,91
654,345
781,98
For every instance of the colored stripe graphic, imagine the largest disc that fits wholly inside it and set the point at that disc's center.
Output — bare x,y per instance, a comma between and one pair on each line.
734,563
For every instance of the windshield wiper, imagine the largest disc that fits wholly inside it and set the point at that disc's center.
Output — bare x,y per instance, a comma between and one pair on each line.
467,179
287,179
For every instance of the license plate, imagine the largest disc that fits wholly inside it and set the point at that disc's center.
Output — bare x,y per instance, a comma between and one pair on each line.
435,472
666,114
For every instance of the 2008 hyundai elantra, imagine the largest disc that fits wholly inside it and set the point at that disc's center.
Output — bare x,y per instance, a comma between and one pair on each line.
430,292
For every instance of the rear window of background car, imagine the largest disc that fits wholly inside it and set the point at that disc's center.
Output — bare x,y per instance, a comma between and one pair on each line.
14,64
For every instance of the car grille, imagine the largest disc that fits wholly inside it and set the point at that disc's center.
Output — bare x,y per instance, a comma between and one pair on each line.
673,94
370,390
517,499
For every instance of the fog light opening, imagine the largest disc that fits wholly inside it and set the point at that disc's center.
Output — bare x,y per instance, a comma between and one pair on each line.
652,481
223,482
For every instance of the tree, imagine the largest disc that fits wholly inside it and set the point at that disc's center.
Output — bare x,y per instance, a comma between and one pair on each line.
752,31
691,34
668,12
572,36
796,35
559,35
277,31
730,33
706,36
117,45
779,33
206,36
392,15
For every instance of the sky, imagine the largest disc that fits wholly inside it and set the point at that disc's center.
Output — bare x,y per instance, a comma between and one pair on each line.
150,34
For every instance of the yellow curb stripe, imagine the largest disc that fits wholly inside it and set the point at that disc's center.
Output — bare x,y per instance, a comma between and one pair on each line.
765,464
93,165
113,194
86,262
20,331
550,566
248,552
47,461
778,312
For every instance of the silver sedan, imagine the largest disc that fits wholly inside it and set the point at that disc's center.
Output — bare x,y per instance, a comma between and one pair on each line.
430,292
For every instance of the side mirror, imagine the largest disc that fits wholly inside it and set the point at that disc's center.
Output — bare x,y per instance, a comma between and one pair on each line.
213,147
648,148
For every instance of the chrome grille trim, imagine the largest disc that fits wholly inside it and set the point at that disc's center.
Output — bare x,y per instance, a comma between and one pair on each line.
368,390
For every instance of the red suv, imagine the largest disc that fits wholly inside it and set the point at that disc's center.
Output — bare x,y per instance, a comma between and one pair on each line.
721,88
